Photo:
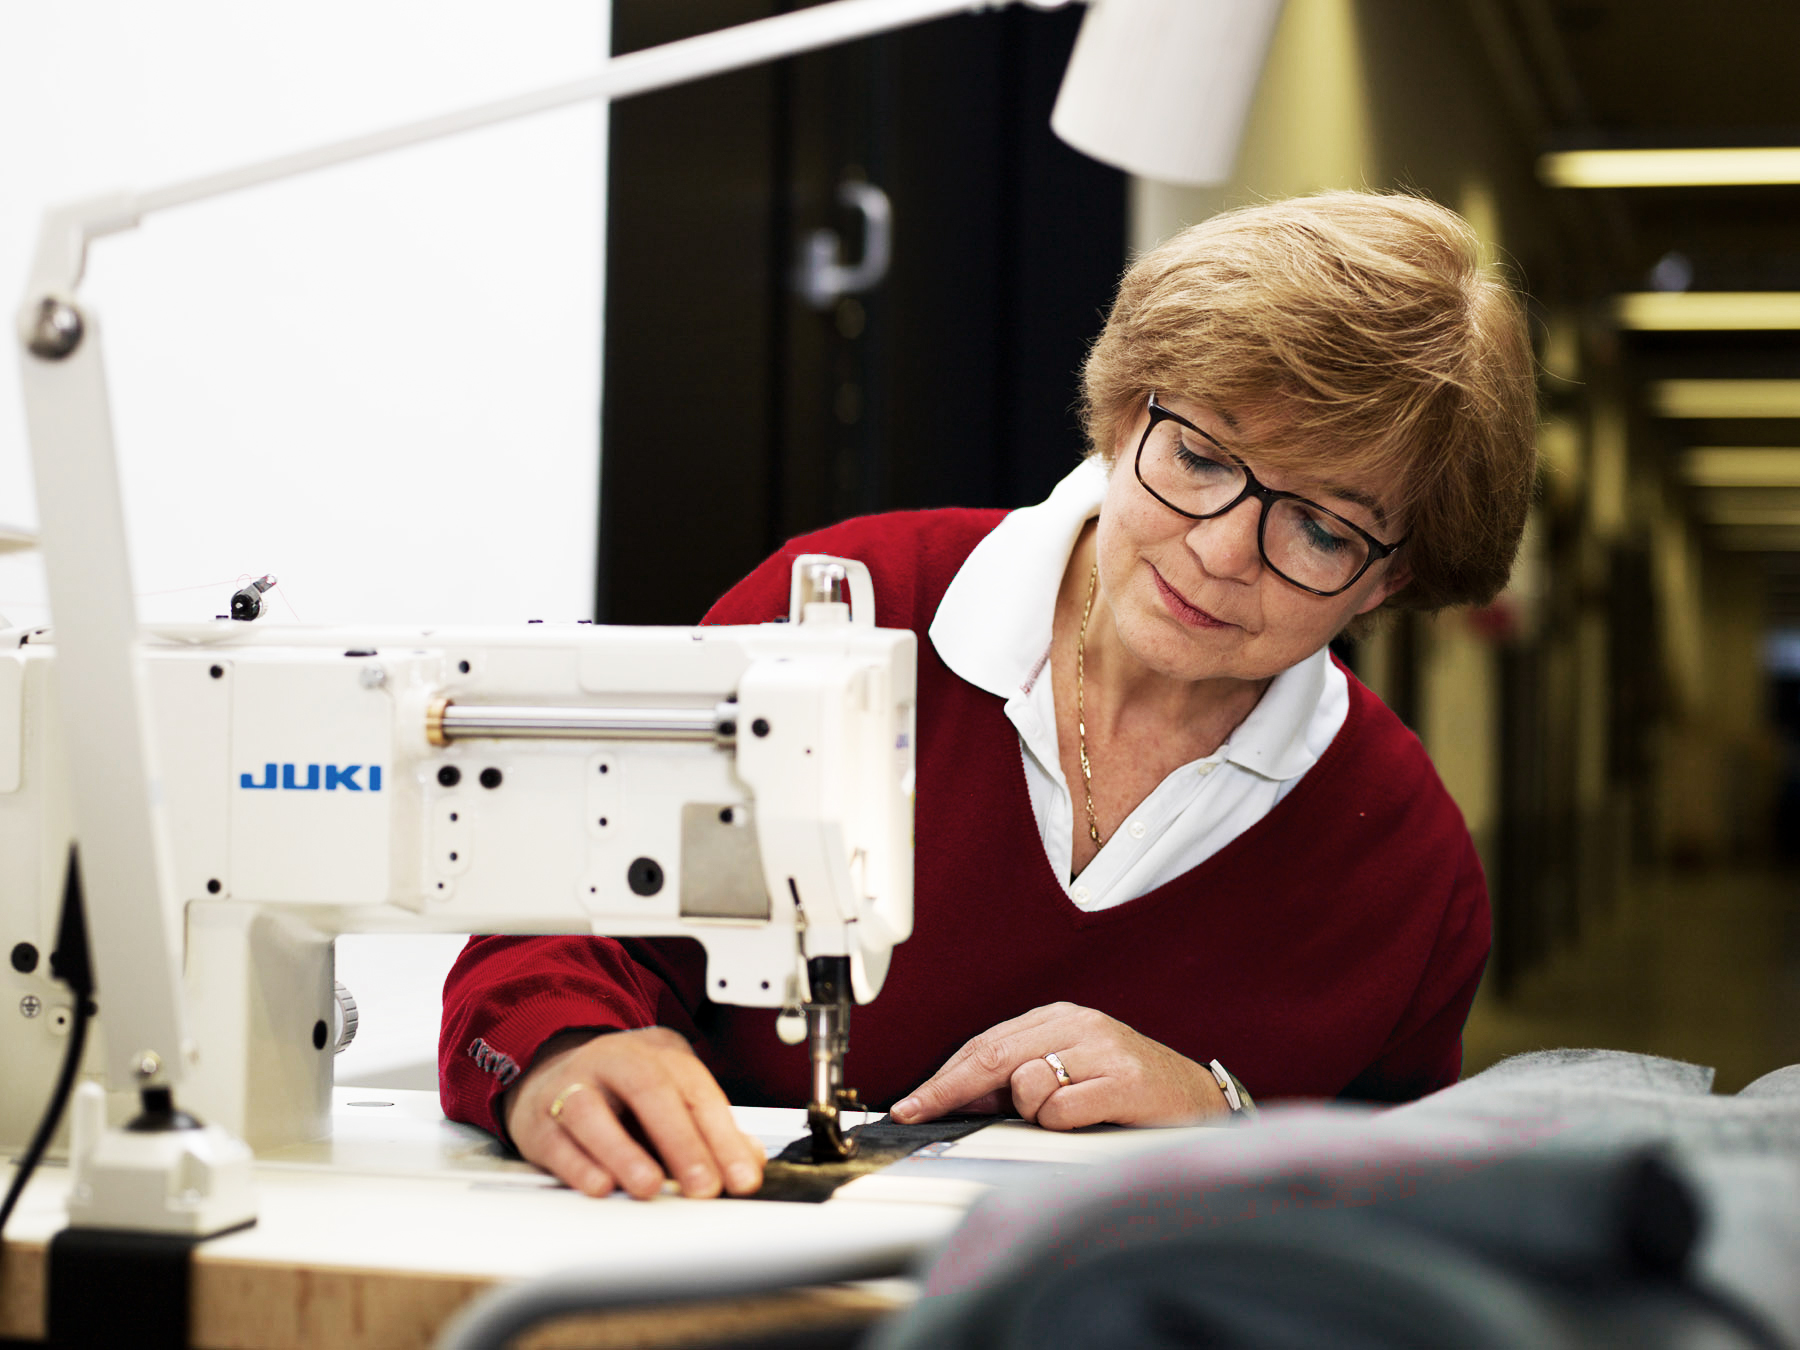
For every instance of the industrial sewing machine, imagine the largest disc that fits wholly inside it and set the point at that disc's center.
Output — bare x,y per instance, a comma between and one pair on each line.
749,787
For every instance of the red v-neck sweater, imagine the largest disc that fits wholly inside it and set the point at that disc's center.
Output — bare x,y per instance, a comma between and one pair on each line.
1331,950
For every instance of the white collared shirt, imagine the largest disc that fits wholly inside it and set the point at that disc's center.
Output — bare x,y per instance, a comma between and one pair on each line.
993,629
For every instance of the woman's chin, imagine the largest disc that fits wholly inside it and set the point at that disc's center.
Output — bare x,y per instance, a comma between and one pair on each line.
1177,651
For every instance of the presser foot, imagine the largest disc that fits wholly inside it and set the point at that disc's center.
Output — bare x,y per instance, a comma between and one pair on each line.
829,1142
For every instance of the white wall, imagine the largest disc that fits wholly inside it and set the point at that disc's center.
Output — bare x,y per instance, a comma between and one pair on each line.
380,382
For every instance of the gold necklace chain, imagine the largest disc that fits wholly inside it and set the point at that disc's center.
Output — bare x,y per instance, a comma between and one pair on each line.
1087,772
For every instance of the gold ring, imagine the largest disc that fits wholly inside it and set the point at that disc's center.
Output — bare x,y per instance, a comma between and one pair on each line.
556,1107
1054,1060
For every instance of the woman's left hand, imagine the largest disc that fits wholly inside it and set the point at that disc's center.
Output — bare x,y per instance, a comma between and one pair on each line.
1116,1076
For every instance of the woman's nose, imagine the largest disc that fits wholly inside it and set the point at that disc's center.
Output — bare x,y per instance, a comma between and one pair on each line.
1226,545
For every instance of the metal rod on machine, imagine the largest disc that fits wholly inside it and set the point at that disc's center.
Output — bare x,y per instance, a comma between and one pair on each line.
446,722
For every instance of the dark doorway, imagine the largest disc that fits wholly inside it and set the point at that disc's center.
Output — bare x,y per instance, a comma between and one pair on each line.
736,413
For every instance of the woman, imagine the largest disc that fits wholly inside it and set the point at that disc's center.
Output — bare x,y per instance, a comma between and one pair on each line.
1158,829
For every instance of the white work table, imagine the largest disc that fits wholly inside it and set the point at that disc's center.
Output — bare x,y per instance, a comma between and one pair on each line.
375,1237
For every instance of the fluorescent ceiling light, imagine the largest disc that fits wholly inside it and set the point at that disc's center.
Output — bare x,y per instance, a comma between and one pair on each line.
1722,167
1737,466
1725,398
1728,504
1688,311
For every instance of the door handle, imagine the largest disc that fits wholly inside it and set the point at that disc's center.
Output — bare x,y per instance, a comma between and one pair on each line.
823,277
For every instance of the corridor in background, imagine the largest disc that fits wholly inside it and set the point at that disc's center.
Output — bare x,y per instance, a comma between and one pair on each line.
1696,965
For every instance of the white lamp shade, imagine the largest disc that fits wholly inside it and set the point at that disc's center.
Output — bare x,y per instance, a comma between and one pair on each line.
1161,88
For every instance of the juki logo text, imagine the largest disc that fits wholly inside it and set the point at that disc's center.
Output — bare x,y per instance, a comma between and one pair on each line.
325,777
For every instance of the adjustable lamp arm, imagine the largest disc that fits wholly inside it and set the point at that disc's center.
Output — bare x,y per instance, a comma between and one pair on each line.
63,240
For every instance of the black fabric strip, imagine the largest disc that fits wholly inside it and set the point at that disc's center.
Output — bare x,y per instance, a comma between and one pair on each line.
793,1177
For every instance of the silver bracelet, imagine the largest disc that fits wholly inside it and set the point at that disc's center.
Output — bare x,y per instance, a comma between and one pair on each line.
1236,1097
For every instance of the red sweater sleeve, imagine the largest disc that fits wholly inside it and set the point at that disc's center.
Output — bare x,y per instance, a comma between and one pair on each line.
506,996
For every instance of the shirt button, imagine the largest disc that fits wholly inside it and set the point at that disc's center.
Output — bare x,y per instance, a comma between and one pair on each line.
1206,769
1137,829
1081,894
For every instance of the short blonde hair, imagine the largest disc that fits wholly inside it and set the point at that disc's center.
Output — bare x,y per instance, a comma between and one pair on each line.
1365,328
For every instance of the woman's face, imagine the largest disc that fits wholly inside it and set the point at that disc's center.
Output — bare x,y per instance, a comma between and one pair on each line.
1193,600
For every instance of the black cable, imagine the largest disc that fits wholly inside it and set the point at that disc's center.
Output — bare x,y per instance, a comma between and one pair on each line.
69,963
59,1102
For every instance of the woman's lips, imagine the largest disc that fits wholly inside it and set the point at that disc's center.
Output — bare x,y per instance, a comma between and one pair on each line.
1191,615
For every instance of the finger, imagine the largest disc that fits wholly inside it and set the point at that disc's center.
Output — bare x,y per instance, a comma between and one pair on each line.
739,1157
1093,1102
982,1066
1033,1084
559,1155
595,1127
999,1102
663,1114
949,1089
1013,1026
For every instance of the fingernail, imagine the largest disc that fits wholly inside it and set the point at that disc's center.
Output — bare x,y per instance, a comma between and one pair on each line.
699,1180
909,1107
743,1177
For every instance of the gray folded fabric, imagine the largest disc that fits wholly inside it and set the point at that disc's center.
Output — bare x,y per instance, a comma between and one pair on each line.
1556,1199
1781,1083
1553,1249
1590,1069
1602,1097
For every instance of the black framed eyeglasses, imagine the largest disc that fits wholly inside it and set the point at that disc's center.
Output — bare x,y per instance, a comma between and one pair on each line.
1303,543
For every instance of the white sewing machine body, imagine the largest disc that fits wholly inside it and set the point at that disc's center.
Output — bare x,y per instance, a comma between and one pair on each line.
749,787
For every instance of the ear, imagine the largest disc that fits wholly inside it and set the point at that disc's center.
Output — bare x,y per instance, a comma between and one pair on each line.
1394,580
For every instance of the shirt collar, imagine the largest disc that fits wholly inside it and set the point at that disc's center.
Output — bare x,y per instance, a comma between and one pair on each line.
1271,741
993,625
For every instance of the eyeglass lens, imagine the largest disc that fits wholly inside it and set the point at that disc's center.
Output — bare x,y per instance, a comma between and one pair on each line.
1303,542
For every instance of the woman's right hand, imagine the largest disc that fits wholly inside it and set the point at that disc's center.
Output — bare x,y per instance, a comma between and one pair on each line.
650,1079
